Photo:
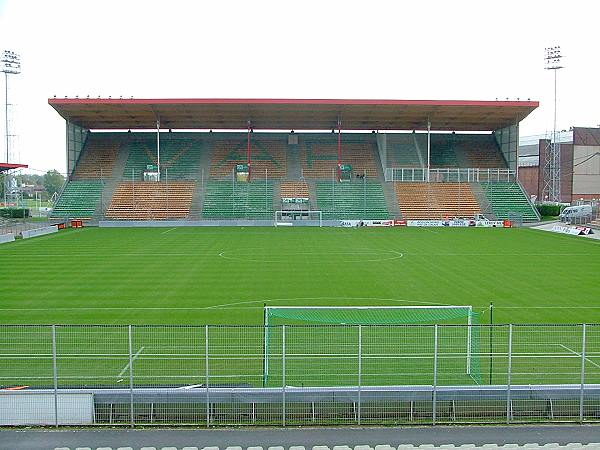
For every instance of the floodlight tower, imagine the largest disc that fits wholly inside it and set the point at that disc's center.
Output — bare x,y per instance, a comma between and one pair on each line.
551,189
10,63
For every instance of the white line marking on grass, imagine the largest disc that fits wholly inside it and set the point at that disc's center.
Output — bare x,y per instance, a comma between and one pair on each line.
579,354
227,305
357,256
170,229
122,372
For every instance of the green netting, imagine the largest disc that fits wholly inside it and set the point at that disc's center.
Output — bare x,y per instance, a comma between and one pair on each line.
335,324
366,316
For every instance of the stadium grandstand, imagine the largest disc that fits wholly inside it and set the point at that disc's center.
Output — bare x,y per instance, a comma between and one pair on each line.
231,159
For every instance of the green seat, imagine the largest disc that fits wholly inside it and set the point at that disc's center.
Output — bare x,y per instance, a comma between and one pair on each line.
78,200
355,200
227,200
508,198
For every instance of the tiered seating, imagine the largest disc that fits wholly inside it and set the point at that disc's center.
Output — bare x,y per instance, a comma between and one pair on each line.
436,200
297,190
294,189
224,199
265,153
402,151
97,160
442,151
319,156
180,158
351,200
151,200
78,200
480,150
508,197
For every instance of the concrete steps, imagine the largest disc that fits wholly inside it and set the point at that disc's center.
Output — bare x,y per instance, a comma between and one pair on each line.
111,183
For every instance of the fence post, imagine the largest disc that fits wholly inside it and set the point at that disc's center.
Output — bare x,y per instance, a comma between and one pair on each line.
509,375
283,371
583,345
130,379
359,369
206,375
55,375
435,355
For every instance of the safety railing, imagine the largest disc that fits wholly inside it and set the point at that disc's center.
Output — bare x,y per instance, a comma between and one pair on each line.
337,374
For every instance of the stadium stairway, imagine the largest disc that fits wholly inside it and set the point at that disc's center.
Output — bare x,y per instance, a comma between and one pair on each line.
484,203
390,198
199,190
294,166
111,185
461,157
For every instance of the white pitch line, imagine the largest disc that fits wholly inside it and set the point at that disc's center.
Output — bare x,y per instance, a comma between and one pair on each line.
133,359
579,354
170,229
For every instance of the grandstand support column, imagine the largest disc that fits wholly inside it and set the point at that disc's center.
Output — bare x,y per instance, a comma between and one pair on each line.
248,123
158,145
428,148
339,149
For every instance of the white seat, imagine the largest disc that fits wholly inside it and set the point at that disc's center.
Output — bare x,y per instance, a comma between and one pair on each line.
384,447
189,448
295,447
320,447
341,447
125,448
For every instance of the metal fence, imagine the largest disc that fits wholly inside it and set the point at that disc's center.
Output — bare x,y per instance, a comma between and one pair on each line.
343,374
447,175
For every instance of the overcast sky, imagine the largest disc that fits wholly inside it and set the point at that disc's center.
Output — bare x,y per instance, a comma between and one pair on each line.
472,50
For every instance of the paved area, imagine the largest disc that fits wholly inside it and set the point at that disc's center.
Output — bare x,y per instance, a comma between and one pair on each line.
308,437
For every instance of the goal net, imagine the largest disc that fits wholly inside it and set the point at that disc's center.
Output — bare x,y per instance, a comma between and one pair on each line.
462,339
289,217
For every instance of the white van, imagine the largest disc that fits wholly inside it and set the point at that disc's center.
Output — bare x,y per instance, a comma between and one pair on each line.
575,212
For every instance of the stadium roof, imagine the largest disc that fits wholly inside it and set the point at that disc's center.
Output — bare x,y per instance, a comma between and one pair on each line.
6,166
286,114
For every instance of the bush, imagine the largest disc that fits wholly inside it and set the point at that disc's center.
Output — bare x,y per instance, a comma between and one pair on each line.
14,213
549,209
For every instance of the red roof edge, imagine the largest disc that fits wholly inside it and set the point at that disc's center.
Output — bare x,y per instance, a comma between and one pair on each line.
283,101
8,166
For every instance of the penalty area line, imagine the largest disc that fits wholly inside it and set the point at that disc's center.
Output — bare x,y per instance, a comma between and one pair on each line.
122,372
579,354
170,229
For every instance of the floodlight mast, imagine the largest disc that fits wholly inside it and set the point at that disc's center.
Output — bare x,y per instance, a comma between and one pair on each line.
10,63
552,162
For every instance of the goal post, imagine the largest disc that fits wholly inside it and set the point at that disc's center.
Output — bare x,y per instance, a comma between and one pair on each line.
376,315
288,217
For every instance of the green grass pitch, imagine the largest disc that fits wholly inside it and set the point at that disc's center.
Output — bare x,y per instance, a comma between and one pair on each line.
197,276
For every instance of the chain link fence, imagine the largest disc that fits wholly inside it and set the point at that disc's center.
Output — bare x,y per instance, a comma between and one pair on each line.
346,374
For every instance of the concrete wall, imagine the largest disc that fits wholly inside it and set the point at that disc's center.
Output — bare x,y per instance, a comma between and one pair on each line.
586,174
529,178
